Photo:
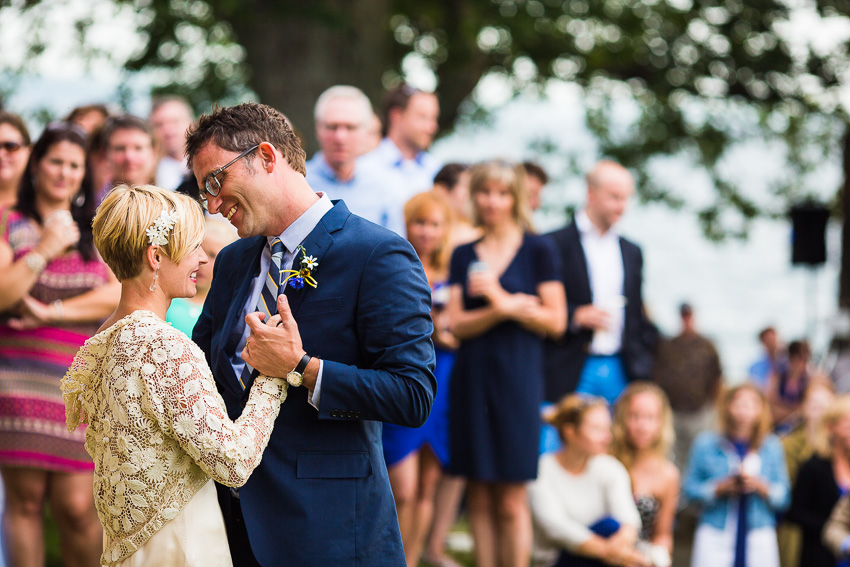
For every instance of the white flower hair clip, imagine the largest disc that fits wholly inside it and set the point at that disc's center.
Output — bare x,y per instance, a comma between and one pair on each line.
158,232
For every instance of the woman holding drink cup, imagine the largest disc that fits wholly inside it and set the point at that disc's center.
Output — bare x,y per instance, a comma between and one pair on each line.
505,297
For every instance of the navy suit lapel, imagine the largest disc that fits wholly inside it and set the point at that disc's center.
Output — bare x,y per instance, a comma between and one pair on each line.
629,268
579,261
317,244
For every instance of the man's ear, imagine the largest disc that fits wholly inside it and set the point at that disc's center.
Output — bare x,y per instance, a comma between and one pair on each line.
268,156
393,115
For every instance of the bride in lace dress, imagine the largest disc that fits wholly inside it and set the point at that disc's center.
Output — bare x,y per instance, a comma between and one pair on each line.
158,430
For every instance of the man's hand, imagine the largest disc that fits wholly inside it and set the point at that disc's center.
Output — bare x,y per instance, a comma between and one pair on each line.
591,317
273,348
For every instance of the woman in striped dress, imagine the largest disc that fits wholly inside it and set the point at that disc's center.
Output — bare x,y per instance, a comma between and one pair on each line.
56,291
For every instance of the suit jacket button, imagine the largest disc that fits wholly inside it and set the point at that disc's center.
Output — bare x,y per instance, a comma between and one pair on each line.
334,413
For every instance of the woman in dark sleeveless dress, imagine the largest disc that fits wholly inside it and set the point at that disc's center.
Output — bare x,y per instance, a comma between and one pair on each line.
505,297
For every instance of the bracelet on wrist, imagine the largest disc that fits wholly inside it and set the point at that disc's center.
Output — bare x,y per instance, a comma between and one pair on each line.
35,261
59,309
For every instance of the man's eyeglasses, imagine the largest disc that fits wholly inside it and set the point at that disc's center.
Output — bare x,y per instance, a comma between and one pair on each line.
11,147
212,186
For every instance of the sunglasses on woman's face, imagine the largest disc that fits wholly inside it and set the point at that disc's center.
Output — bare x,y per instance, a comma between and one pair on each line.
11,147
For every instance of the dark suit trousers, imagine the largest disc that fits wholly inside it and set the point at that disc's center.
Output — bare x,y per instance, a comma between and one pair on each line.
234,524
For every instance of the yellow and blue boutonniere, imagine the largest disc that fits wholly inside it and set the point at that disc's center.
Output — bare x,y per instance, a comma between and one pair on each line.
297,278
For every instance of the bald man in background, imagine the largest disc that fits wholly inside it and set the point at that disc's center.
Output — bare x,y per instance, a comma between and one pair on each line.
609,340
171,117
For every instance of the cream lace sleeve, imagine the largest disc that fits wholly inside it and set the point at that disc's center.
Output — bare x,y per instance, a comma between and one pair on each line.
182,395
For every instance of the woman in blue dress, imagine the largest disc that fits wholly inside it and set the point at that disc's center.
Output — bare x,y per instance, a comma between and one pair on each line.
416,457
505,297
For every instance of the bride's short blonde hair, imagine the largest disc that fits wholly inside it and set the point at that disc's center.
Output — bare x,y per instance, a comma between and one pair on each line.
121,222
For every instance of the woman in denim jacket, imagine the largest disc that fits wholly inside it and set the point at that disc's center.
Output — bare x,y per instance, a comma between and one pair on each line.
739,478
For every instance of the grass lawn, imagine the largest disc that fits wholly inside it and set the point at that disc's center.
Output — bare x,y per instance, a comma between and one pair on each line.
54,556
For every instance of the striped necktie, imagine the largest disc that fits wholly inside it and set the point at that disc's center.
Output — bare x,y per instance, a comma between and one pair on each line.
268,297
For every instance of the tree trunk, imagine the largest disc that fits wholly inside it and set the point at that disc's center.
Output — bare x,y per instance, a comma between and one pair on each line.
297,49
466,63
844,279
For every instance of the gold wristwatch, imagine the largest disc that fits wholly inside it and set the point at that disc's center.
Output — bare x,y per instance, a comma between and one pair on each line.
296,376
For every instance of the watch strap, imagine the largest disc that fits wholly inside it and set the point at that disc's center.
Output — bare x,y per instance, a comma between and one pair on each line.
302,364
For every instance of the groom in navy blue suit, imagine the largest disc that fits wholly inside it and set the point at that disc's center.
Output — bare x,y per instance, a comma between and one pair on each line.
358,343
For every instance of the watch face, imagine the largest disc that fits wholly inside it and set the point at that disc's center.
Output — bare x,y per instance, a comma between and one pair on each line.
294,379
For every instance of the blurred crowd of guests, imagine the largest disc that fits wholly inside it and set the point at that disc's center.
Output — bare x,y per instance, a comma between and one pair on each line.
564,425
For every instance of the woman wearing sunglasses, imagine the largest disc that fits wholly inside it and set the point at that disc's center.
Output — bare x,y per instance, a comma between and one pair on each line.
14,152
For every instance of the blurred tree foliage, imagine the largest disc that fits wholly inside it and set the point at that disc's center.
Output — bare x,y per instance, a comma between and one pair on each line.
702,75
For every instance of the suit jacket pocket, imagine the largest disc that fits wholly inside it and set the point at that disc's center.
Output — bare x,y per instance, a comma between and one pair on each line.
320,306
333,465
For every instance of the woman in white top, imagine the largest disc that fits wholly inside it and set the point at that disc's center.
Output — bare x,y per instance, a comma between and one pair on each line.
581,503
157,428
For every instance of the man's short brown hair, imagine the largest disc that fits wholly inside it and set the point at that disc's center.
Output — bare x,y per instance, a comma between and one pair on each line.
237,128
125,122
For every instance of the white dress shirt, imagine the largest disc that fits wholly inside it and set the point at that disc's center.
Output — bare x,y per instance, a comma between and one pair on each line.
294,235
399,180
605,271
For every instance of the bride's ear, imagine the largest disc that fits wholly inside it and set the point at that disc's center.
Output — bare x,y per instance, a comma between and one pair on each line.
153,257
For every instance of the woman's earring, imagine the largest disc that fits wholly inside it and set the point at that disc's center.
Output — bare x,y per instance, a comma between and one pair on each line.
155,277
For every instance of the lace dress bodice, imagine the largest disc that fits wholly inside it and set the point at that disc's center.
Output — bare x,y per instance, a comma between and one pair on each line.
157,427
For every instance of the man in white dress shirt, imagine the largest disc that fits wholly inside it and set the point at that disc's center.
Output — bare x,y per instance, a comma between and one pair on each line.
401,161
342,115
609,339
170,117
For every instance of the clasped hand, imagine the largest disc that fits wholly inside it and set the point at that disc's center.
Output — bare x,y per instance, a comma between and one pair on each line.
31,313
273,347
620,551
741,484
59,233
520,307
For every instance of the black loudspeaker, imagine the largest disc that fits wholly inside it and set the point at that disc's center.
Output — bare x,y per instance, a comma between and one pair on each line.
808,234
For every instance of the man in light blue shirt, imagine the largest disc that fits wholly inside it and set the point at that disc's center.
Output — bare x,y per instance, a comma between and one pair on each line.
401,162
342,114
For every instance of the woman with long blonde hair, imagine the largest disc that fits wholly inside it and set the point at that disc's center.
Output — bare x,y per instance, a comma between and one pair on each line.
799,447
822,480
505,296
738,476
643,435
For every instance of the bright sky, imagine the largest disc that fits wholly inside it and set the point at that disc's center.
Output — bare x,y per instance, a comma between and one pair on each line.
113,38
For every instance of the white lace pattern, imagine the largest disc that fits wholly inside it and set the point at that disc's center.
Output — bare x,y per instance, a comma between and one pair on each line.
158,428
